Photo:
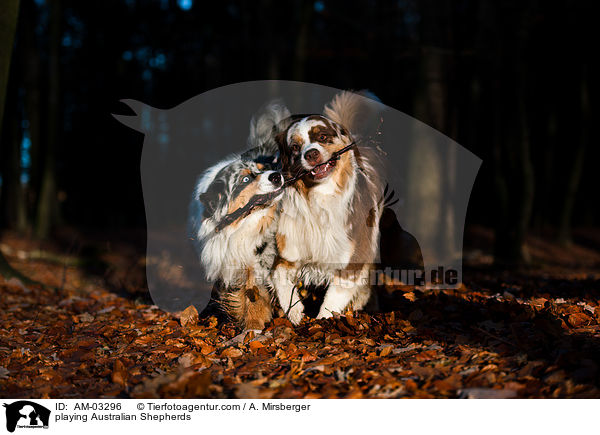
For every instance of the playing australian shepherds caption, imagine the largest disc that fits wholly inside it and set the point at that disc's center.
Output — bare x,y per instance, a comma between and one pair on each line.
300,207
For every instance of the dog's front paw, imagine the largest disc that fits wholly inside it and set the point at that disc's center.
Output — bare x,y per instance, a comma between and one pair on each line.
296,313
324,313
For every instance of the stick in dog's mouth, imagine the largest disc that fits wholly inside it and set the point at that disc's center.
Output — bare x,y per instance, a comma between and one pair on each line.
263,198
257,200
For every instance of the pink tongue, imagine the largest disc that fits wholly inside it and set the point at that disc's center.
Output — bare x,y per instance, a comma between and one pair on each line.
320,169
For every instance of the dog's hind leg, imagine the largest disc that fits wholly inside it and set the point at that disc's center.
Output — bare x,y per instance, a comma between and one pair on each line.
257,308
249,307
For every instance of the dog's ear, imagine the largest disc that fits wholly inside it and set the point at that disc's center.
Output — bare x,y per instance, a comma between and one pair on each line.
284,152
210,199
280,139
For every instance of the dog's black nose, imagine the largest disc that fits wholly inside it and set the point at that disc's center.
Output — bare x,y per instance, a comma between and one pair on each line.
313,156
275,178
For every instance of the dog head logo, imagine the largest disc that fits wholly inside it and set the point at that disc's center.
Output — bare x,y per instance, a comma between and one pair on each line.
26,414
428,177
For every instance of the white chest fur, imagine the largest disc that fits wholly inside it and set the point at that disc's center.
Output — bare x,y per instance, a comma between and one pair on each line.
315,228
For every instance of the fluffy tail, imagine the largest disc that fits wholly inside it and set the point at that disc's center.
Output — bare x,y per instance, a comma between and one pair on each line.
353,110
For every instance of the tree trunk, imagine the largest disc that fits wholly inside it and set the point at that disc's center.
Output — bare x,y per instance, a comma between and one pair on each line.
525,165
31,65
514,176
12,201
564,224
9,11
47,209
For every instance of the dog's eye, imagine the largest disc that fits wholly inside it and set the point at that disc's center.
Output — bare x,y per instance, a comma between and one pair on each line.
245,179
322,138
295,147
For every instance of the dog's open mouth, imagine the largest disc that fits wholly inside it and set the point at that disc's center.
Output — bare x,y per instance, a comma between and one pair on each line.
323,170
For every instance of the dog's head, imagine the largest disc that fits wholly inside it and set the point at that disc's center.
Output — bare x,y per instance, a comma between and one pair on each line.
308,144
236,184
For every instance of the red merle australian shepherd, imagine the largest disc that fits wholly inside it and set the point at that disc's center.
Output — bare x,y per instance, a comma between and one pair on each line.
328,228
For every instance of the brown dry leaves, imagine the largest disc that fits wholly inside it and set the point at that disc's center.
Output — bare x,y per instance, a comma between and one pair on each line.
526,336
189,316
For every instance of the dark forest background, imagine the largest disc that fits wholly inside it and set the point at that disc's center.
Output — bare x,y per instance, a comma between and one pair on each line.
512,81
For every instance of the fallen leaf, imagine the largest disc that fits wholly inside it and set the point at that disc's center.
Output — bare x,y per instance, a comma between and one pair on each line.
578,319
255,345
232,352
385,351
410,296
119,374
189,316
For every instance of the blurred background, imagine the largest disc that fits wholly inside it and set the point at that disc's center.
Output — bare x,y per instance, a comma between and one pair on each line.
511,81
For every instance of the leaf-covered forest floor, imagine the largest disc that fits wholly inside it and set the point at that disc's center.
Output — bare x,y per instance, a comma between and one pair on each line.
528,333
